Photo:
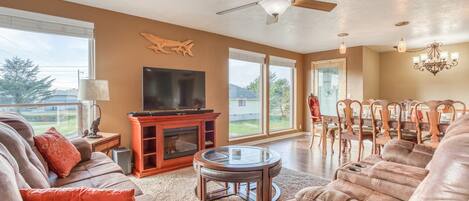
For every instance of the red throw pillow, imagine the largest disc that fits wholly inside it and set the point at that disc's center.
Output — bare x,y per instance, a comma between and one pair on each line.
58,151
77,194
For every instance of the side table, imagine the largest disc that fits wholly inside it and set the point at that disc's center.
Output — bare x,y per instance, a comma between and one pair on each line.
105,143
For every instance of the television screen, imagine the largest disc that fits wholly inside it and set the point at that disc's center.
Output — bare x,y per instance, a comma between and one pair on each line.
167,89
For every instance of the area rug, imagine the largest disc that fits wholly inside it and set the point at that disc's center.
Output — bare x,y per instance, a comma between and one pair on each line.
179,185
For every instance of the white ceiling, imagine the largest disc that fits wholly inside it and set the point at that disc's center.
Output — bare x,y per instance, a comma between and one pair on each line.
369,22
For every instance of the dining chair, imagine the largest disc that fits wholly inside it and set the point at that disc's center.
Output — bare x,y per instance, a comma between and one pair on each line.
433,112
386,123
317,122
350,124
447,109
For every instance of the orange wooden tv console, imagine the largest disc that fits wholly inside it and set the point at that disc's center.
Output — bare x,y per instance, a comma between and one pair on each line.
163,143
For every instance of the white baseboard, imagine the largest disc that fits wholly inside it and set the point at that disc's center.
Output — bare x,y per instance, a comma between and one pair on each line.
271,139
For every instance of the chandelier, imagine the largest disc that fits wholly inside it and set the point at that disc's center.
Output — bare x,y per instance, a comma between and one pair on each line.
435,60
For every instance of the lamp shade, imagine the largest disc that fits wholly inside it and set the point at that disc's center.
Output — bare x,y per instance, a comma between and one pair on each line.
275,7
95,90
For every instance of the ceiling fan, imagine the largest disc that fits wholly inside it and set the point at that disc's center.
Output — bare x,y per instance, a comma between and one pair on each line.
275,8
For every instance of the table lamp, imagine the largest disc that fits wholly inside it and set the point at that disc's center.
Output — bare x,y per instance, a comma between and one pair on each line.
94,90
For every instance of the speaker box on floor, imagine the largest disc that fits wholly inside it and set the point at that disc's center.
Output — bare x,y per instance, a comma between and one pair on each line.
123,157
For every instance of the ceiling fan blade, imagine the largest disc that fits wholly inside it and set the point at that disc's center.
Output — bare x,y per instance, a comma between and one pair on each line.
271,19
238,8
316,5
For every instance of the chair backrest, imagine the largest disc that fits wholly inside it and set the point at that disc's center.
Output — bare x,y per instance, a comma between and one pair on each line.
448,109
433,118
348,119
384,108
313,104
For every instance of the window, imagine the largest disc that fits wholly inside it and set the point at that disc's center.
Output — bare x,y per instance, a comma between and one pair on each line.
281,93
242,103
329,84
246,83
42,59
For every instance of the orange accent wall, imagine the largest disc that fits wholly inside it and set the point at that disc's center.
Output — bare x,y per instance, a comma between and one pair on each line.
121,52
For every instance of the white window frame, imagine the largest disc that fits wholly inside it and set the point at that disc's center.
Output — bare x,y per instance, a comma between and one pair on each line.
284,62
42,23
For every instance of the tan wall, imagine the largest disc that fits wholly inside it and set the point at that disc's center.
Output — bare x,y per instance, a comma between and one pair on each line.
398,80
370,74
354,59
121,52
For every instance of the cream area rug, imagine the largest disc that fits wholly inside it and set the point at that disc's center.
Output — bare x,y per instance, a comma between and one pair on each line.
179,185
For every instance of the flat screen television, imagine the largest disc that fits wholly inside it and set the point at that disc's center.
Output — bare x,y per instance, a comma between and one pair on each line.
168,89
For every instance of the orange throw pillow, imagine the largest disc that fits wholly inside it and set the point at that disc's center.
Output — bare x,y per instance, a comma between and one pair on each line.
58,151
77,194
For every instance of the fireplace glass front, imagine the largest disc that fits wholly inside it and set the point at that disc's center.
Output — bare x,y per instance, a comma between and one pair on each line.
179,142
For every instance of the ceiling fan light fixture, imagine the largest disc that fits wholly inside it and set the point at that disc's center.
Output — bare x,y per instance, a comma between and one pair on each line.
401,46
275,7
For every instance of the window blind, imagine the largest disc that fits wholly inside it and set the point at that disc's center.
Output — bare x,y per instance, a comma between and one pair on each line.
246,56
280,61
30,21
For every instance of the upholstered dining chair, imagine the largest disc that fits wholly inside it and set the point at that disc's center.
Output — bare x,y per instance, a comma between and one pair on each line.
386,123
350,122
433,111
317,120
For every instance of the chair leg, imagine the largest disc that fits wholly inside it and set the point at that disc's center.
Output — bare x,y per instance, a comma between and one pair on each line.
340,146
332,136
312,141
360,149
312,136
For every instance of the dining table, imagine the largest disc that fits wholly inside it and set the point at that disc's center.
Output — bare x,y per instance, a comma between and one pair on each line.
407,124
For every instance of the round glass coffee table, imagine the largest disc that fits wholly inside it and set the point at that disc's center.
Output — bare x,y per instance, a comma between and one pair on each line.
245,171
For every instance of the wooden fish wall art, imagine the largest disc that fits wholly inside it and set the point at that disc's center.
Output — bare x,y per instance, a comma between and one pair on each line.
166,46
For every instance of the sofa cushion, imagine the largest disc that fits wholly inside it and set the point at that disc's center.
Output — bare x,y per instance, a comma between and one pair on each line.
108,181
27,160
59,152
98,164
340,190
10,178
77,194
25,130
409,153
358,173
398,173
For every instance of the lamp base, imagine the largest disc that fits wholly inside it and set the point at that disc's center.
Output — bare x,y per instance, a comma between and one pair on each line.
94,136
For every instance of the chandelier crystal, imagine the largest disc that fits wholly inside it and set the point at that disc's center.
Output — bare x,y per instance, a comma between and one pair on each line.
435,60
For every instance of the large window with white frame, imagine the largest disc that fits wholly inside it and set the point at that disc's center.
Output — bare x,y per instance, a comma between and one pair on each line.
248,80
245,93
42,59
281,93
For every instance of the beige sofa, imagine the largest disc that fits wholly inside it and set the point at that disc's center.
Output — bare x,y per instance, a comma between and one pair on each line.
405,171
21,165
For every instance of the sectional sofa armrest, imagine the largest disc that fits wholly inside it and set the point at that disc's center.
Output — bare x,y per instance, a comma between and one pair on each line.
407,153
83,147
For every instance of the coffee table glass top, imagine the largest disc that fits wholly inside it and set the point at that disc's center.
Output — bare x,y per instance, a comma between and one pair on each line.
238,155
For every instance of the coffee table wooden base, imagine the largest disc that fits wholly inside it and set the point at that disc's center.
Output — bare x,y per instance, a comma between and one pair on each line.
241,191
